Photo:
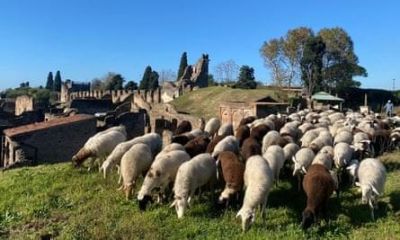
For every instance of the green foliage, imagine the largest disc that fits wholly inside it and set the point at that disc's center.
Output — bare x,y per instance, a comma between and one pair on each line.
311,63
111,81
50,81
70,203
246,78
211,80
131,85
40,95
153,84
149,79
182,66
57,82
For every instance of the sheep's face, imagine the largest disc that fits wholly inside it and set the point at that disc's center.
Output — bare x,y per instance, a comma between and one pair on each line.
180,204
308,219
247,217
366,194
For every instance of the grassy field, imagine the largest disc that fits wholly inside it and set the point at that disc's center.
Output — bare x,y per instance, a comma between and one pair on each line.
68,203
205,102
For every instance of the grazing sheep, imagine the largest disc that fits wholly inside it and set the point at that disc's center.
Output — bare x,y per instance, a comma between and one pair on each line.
271,138
183,127
197,145
323,158
258,179
276,159
343,136
342,154
259,132
100,145
212,126
136,161
250,148
172,147
243,132
305,127
318,185
229,143
308,137
232,172
289,150
371,179
190,176
226,129
152,140
302,160
323,139
162,172
181,139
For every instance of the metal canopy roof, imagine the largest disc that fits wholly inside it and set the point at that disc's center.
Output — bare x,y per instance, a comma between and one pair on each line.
324,96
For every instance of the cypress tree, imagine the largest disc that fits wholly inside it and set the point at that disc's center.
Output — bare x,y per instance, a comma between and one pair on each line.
57,82
50,81
154,80
182,66
145,83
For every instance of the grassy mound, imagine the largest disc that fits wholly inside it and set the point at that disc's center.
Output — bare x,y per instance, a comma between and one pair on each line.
205,102
68,203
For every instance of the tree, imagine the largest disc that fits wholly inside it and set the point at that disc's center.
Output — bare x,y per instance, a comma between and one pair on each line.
311,63
271,51
114,81
246,78
340,63
182,66
50,81
153,83
211,80
131,85
145,83
226,71
97,84
57,82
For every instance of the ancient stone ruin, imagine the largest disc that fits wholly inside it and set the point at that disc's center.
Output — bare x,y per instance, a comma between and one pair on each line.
196,75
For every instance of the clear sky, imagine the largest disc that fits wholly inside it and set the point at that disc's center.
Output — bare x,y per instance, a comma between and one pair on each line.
85,39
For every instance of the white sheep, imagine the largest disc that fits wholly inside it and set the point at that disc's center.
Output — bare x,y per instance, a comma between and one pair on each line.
136,161
324,139
276,159
343,136
190,176
212,126
229,143
371,179
343,153
226,129
258,180
289,150
153,140
308,137
323,158
172,147
269,139
162,172
100,145
302,160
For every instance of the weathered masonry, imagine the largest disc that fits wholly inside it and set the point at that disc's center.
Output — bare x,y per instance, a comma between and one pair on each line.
46,142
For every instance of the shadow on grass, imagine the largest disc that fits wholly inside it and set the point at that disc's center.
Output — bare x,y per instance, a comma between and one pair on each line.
395,200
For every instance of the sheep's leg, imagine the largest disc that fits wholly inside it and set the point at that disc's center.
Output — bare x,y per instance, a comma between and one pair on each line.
298,182
263,206
371,206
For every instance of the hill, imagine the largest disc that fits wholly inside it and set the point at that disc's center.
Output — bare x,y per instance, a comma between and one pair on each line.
66,203
205,102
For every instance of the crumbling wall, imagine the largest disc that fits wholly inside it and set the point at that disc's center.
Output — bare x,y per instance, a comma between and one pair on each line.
23,104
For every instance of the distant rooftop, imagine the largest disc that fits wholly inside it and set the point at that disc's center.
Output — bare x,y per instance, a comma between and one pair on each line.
324,96
34,127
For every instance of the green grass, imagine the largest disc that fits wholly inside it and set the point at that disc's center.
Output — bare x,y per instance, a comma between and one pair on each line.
75,204
205,102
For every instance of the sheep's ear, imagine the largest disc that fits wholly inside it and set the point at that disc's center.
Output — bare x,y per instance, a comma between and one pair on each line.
294,159
304,169
173,204
374,190
358,184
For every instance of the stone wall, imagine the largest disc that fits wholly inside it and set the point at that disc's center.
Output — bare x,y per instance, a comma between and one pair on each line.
48,142
23,104
233,112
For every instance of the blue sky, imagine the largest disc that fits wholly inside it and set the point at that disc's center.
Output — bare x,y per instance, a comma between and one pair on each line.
85,39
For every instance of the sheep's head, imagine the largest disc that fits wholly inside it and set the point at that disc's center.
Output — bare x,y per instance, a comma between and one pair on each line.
308,219
248,217
369,193
226,195
180,204
143,201
352,168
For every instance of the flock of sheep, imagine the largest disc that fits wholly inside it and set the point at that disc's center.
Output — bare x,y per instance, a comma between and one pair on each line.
318,147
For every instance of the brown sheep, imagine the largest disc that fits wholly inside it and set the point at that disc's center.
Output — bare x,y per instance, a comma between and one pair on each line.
213,143
318,185
259,132
247,120
184,126
250,148
232,172
197,146
242,132
181,139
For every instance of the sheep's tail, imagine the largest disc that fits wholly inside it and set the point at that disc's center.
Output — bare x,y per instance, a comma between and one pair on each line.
81,156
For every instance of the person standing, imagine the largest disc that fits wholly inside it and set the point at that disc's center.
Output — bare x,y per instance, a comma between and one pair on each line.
389,108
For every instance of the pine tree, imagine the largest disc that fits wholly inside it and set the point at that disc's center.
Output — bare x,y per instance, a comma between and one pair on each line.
182,66
153,85
57,82
246,78
145,83
50,81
